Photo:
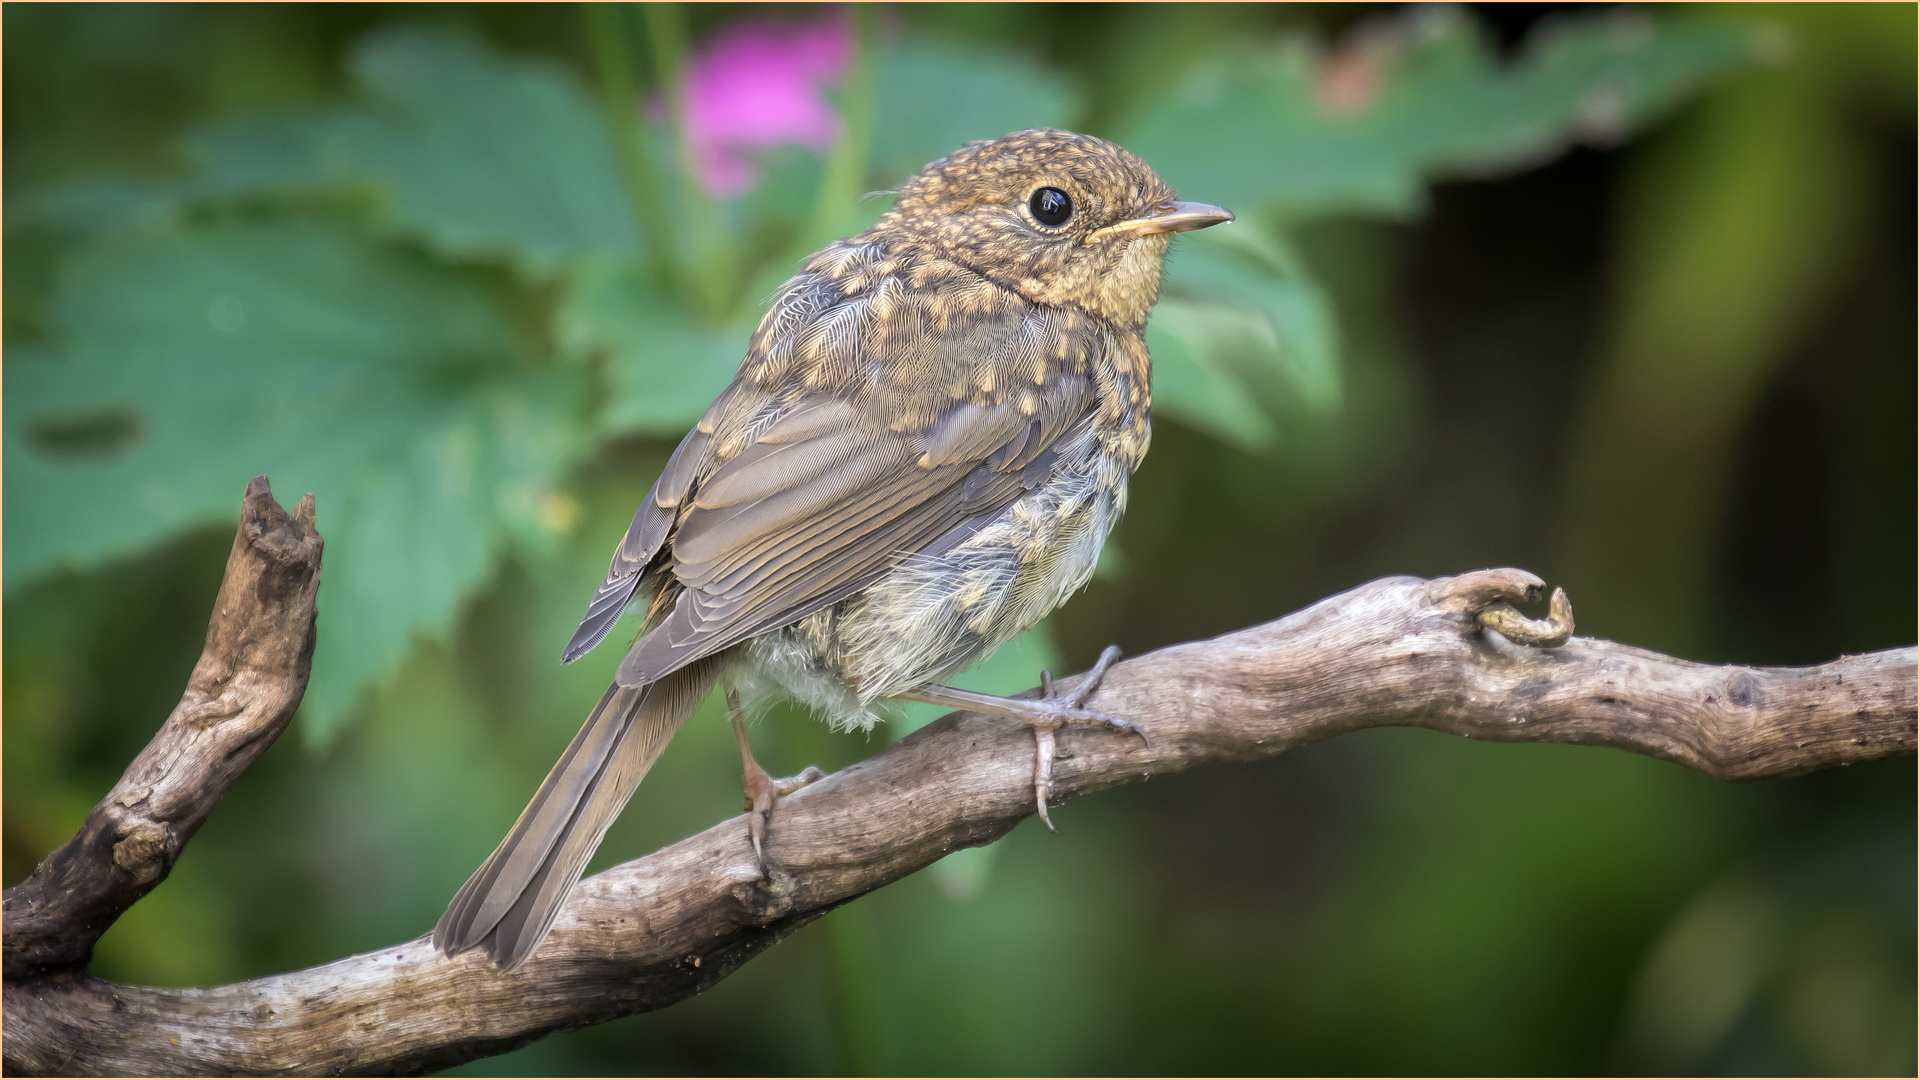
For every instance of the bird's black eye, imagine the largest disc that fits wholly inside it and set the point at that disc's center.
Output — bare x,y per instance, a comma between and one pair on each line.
1050,206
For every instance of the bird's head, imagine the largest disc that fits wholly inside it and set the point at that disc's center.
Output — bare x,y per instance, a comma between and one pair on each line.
1058,217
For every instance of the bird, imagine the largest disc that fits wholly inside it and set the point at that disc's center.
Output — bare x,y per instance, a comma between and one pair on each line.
920,456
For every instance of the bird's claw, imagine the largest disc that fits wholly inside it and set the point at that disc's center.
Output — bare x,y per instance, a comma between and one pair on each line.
1043,751
762,791
1056,711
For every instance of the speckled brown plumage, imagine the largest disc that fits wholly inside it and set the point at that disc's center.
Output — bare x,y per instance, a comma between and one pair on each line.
922,452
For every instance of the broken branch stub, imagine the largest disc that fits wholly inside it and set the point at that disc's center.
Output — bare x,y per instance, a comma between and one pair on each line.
242,693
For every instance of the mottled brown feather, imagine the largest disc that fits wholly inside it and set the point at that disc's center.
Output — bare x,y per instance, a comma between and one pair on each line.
836,488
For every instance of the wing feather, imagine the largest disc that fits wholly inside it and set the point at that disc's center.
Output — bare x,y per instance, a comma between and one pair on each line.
853,462
643,541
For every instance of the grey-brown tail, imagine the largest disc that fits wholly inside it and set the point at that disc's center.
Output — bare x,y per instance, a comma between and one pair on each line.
510,902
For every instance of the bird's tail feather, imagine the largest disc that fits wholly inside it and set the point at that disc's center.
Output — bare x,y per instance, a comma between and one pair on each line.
511,901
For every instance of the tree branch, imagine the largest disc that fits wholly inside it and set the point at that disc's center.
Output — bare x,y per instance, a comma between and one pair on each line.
241,695
1398,651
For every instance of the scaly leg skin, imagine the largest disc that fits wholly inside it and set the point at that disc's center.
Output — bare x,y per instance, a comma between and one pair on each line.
1045,716
761,790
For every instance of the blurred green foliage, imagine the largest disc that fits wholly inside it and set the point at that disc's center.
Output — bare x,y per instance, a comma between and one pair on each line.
435,273
442,269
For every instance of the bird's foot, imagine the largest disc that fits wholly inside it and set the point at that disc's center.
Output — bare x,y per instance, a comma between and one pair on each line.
1045,715
762,791
1068,708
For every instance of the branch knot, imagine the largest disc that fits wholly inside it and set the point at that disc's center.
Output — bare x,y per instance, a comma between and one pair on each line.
1549,633
145,849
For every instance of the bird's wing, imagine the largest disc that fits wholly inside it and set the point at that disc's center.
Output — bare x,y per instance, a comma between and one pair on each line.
643,540
843,484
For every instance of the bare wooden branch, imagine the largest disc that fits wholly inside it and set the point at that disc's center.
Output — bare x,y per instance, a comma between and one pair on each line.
1398,651
241,695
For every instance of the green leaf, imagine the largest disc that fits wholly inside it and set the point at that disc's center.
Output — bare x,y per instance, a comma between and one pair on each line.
91,205
272,154
476,154
490,154
932,97
1240,330
665,366
189,361
1191,381
1296,129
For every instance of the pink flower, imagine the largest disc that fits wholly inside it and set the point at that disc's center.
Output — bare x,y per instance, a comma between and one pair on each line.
758,85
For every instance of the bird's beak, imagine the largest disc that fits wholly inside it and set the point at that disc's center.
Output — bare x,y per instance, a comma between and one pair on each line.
1169,218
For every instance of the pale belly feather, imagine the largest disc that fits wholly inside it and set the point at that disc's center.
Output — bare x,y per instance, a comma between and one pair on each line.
933,616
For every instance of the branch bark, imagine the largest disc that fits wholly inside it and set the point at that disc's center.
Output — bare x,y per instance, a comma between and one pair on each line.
241,695
1438,654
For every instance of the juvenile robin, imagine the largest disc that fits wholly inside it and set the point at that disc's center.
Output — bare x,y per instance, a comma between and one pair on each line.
919,458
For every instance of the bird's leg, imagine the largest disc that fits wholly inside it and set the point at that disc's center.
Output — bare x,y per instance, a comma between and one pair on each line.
1044,715
761,790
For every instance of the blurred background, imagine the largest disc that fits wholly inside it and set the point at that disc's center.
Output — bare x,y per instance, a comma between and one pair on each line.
1622,296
